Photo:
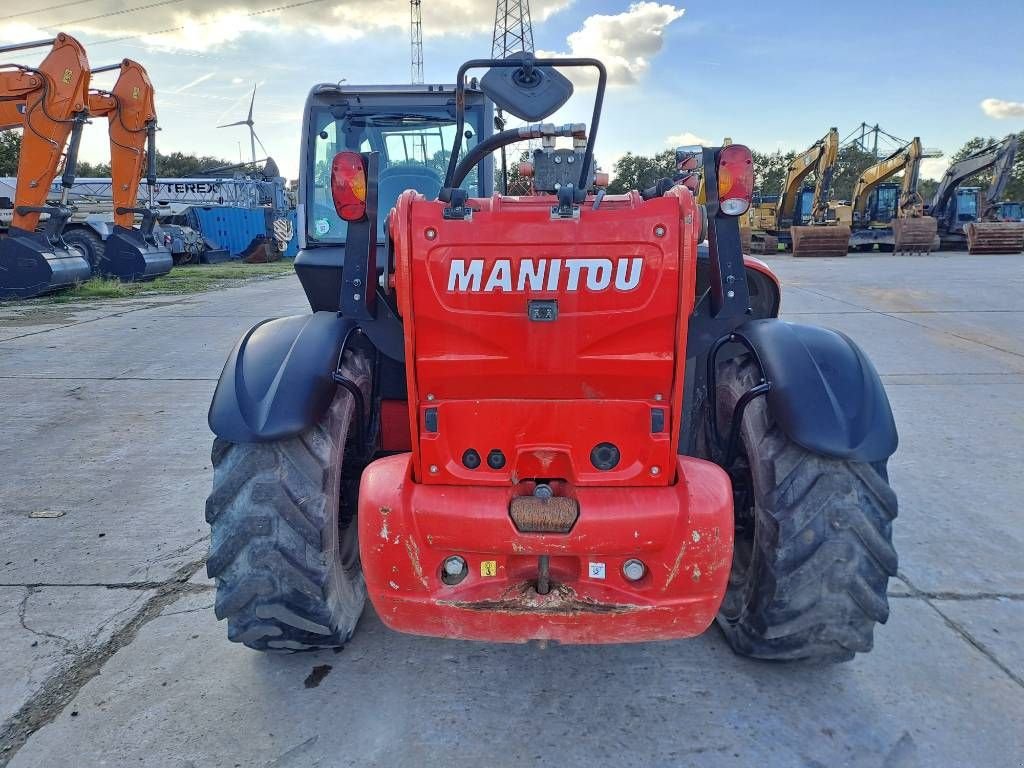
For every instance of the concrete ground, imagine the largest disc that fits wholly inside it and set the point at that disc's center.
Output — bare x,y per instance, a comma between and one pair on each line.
112,656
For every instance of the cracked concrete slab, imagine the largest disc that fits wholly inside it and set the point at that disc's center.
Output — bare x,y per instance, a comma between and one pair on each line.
42,629
130,459
955,472
128,463
995,623
397,700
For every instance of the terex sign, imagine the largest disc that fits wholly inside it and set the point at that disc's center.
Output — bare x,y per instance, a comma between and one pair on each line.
476,275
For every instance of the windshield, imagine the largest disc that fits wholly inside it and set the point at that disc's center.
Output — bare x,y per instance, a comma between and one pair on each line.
414,151
966,205
1013,211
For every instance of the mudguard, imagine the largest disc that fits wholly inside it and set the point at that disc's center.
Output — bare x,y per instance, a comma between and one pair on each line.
826,394
278,380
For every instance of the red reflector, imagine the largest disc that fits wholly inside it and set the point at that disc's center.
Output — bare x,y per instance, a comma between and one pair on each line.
348,185
735,179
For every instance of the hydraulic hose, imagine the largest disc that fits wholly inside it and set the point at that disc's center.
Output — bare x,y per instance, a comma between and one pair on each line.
504,139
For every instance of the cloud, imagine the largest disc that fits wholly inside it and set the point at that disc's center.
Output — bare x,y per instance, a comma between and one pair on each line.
194,83
686,138
933,167
1001,109
204,24
625,42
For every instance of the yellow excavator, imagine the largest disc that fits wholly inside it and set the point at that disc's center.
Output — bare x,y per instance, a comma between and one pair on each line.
826,232
892,217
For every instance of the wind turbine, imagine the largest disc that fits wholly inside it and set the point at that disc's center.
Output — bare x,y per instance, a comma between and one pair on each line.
253,138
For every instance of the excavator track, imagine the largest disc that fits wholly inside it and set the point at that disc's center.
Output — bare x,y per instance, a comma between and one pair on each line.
995,237
820,240
914,234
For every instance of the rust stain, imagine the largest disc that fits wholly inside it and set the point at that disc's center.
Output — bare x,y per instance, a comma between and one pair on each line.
562,600
675,568
385,511
414,558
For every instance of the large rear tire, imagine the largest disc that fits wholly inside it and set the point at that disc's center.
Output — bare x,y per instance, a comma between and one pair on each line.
88,243
813,552
284,546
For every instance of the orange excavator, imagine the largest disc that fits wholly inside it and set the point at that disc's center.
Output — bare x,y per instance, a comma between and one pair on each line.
128,253
51,103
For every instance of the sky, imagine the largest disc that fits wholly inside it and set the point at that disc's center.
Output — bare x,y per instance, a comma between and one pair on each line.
771,75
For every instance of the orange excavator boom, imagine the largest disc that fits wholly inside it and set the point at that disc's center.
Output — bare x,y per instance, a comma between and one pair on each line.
131,114
130,253
50,103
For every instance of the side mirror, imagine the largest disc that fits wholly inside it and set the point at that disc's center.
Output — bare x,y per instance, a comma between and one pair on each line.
528,92
689,158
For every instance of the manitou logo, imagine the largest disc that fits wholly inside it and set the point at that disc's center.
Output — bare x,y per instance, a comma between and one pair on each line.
475,275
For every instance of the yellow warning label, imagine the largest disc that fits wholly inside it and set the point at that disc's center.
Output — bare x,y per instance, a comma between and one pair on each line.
135,92
67,76
488,567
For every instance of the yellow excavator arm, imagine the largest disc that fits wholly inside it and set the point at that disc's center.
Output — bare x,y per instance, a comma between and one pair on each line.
819,157
907,159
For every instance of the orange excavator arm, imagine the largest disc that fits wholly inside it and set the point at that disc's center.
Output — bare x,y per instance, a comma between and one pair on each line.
131,115
50,103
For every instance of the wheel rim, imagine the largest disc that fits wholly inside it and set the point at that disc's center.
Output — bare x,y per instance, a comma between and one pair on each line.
744,550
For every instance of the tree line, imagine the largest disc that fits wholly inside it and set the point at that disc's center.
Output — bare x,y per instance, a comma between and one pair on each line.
633,171
174,165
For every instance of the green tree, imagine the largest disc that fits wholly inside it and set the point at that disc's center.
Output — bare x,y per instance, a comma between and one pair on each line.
10,149
174,165
770,170
851,162
182,165
1015,186
639,171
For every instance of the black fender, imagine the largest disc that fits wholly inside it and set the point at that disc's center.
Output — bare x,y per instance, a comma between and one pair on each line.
825,393
279,381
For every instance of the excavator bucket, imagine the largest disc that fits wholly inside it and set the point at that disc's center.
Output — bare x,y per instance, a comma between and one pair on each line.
130,255
763,244
820,240
914,234
995,237
31,265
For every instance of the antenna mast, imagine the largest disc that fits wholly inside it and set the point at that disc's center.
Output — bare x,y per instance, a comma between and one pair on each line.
513,33
416,40
513,30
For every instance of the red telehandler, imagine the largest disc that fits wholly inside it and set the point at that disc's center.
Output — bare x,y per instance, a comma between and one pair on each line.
51,102
555,416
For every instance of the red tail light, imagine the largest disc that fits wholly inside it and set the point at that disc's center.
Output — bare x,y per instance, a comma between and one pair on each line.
348,185
735,179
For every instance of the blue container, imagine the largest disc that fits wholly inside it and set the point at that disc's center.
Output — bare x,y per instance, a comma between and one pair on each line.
231,228
236,228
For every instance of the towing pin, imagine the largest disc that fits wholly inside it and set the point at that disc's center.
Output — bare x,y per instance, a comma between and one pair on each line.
543,576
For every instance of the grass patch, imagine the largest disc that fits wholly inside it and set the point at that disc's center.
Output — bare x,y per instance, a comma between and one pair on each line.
193,278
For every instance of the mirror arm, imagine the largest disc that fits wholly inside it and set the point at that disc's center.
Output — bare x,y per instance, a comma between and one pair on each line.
460,108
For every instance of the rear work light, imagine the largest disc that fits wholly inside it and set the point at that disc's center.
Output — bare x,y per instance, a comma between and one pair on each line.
735,179
348,185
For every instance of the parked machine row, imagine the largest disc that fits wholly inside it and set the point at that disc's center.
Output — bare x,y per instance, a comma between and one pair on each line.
883,214
52,104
